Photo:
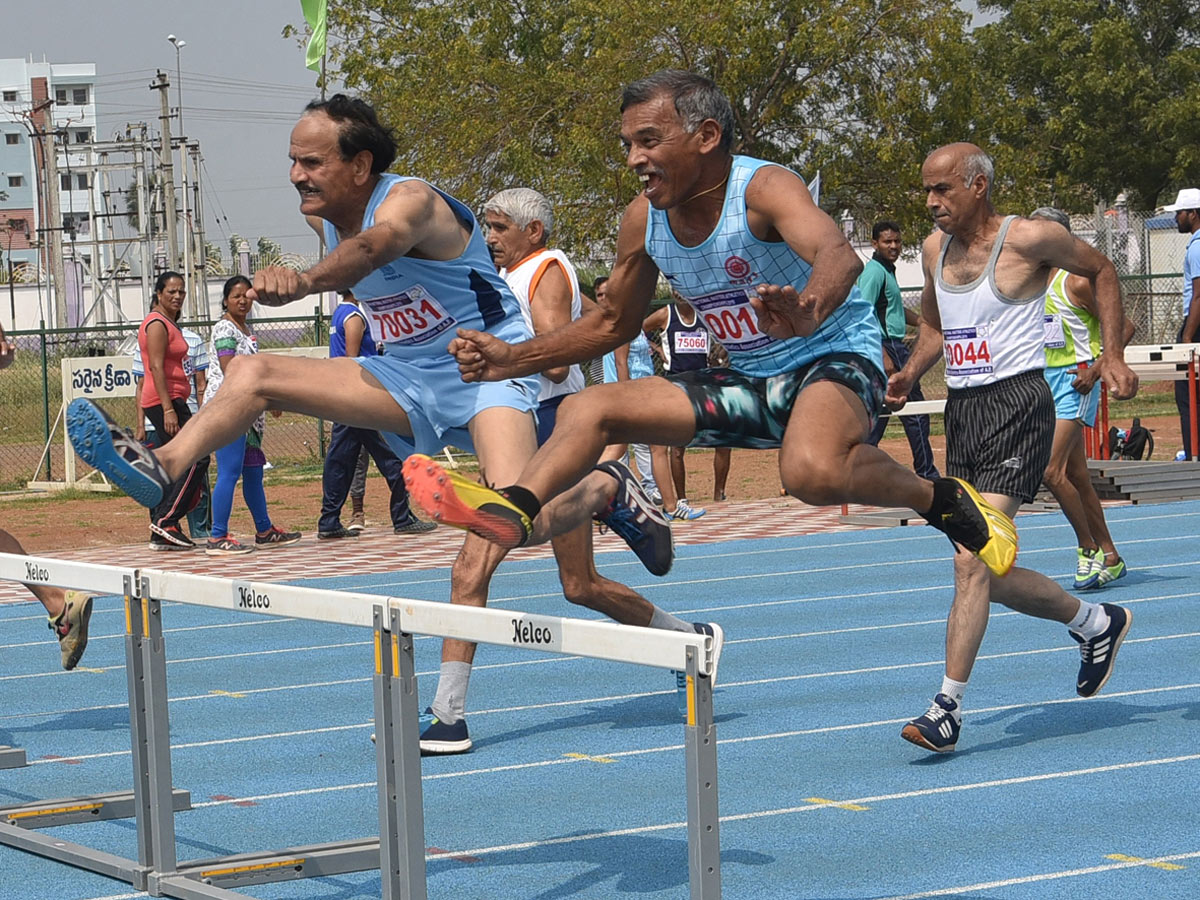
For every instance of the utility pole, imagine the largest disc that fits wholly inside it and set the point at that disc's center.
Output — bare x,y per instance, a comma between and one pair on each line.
161,84
53,225
198,211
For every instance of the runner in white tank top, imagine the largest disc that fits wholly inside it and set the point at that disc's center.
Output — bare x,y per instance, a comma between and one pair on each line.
985,276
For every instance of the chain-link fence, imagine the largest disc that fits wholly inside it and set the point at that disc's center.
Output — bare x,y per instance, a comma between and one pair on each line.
31,430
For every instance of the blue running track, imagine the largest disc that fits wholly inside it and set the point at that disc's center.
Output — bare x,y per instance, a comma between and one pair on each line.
575,788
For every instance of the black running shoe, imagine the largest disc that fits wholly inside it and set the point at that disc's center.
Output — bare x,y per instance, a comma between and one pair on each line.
638,521
938,728
1098,655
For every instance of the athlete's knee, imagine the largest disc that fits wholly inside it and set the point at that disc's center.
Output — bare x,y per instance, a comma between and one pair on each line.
252,372
816,479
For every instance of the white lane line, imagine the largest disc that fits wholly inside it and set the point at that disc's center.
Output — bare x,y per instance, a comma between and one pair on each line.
642,751
193,659
1045,876
791,810
92,637
778,679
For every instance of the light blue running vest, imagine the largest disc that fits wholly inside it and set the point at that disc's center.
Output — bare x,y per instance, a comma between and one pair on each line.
415,306
720,275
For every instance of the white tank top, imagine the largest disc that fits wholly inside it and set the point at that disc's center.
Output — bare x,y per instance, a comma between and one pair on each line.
987,336
523,278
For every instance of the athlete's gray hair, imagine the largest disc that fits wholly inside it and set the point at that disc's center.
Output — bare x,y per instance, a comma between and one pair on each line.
523,205
976,164
1053,214
696,98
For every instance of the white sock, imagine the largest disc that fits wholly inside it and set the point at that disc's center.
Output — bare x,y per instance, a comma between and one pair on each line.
661,619
954,690
1090,621
450,703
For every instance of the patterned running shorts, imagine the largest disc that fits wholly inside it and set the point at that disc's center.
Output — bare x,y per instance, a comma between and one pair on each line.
735,410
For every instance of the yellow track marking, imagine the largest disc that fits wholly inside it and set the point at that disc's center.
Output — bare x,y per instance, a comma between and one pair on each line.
595,759
1121,857
821,801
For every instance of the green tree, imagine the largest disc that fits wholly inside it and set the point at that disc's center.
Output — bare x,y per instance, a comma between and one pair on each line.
269,252
489,94
1082,99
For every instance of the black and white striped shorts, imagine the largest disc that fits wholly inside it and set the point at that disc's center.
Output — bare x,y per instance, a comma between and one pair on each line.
999,435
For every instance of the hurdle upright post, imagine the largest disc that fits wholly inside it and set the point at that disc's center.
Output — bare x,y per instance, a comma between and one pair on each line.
398,755
1193,392
704,839
154,769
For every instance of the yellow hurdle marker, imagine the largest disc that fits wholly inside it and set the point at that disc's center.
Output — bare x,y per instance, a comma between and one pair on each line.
1121,857
821,801
228,694
595,759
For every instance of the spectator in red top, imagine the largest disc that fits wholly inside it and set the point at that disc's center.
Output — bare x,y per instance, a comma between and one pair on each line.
164,395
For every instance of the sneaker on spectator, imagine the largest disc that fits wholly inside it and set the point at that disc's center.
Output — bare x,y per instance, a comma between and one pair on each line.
169,537
71,627
337,534
226,546
440,738
413,525
938,728
276,537
358,521
685,512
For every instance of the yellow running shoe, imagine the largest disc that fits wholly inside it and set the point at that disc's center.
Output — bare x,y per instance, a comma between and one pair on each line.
971,521
451,499
71,627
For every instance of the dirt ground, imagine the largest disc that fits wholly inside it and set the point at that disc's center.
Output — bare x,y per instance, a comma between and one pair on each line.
47,522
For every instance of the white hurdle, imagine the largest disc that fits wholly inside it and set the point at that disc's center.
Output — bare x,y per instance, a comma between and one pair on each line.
399,852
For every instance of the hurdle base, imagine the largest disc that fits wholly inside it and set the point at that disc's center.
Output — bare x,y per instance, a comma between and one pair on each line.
74,810
268,866
78,855
12,758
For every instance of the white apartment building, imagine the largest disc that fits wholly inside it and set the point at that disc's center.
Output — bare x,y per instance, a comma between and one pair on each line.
66,92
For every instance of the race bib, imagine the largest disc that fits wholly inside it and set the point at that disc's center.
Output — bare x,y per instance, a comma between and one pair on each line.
966,351
731,320
1053,331
411,317
691,342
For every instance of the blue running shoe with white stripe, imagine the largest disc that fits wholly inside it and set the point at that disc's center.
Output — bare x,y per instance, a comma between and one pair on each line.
638,521
938,728
115,453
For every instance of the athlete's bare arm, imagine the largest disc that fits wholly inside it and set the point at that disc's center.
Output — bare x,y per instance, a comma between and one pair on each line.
550,309
413,219
1052,246
1079,292
779,207
483,357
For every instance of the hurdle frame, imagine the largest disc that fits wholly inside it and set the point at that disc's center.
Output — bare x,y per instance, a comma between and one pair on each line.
400,851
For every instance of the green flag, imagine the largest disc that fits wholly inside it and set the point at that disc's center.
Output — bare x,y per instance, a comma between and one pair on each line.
314,14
